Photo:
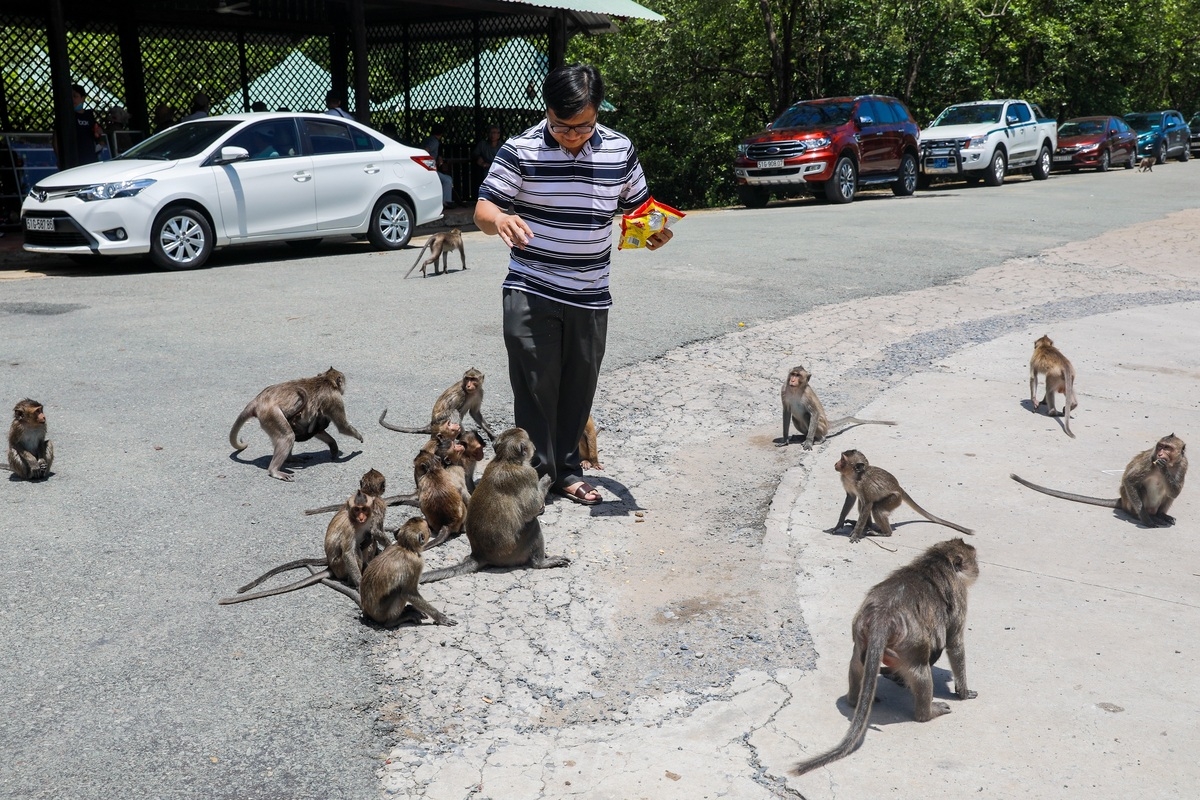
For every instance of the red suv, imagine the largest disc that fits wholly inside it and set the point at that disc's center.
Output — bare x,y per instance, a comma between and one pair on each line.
832,146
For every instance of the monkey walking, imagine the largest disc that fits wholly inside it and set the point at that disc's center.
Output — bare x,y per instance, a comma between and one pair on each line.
801,407
1048,360
1151,482
904,624
1146,164
439,245
502,518
296,411
30,453
389,593
465,397
878,494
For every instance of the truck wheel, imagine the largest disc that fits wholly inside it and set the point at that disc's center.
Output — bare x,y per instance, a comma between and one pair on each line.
906,183
1105,162
1041,167
994,174
753,196
842,186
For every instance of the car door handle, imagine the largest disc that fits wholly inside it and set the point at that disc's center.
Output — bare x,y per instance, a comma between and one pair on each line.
370,169
301,177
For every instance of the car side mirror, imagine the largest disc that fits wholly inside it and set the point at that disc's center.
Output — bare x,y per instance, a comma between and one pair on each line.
864,121
231,154
1012,120
770,125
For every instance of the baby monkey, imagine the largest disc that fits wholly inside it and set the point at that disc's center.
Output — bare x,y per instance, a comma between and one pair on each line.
389,590
1048,360
801,406
1151,482
903,624
878,494
30,453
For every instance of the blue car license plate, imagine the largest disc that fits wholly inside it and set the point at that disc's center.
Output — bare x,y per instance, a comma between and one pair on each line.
941,163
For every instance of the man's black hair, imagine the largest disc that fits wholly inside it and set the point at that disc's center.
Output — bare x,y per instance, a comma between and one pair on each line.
568,90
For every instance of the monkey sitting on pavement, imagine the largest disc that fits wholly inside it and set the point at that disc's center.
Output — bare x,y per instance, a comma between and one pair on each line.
878,494
389,593
801,406
439,245
30,453
1048,360
903,624
1151,482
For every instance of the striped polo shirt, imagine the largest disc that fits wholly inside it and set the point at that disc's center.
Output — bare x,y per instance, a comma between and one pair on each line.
569,203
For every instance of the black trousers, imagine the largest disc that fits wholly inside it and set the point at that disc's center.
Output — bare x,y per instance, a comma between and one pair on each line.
554,355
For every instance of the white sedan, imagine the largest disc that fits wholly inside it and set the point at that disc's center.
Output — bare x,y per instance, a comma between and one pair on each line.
236,179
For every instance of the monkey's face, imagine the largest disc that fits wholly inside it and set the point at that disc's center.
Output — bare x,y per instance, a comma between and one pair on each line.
359,514
797,377
1166,451
38,416
851,460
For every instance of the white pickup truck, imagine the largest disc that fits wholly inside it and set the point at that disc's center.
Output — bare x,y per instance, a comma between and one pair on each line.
987,139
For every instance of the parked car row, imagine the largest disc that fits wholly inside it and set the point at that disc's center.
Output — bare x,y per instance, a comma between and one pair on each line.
833,147
236,179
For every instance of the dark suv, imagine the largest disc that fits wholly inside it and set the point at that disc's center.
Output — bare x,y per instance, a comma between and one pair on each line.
1161,134
1194,128
833,147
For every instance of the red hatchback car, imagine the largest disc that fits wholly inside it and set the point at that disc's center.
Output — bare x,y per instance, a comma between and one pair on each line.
833,147
1095,143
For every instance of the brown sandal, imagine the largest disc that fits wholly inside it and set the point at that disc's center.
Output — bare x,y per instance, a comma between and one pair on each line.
580,494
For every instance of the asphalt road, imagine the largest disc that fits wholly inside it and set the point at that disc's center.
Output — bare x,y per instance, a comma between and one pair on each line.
122,676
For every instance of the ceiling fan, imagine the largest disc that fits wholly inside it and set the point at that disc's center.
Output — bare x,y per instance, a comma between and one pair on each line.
240,7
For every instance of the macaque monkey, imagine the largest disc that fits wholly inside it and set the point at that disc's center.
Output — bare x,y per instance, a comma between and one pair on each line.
349,546
502,520
389,593
589,453
30,453
1146,164
903,624
801,407
473,453
296,411
1048,360
465,397
878,494
440,244
441,492
1152,481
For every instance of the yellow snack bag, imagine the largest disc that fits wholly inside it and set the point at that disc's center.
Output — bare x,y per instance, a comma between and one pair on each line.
646,220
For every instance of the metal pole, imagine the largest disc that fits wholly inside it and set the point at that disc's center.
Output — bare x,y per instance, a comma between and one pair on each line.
243,70
135,78
362,92
60,81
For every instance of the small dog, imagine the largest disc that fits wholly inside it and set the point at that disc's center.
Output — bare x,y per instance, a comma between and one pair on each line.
1146,164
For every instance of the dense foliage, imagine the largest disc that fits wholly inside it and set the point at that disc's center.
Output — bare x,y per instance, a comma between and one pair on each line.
687,90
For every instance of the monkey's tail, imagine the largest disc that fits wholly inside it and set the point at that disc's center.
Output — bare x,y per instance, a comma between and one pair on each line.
850,422
420,253
1078,498
246,414
1069,400
300,562
932,518
339,586
464,567
398,429
876,643
403,500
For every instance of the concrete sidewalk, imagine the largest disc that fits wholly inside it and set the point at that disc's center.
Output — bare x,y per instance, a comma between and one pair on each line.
1078,642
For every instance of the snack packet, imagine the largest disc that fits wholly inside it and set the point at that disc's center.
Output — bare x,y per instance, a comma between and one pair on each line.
646,220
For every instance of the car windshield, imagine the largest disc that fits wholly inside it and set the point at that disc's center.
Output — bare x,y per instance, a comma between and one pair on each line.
1084,128
1195,123
182,141
813,115
969,115
1144,123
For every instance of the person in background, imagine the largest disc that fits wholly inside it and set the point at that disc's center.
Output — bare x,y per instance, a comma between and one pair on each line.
199,107
258,106
433,146
89,136
164,117
333,105
484,153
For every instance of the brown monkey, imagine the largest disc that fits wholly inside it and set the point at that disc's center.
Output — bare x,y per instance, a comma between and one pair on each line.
349,546
801,407
1146,164
296,411
589,453
1048,360
878,493
465,397
30,453
903,624
1152,480
441,492
372,484
473,452
502,521
440,244
389,582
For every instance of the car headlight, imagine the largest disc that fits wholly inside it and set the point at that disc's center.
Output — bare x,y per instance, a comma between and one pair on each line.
111,191
818,143
976,141
741,150
1087,148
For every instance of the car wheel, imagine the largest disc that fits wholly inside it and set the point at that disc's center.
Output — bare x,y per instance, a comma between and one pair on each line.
1105,162
1132,162
302,244
906,184
1161,158
1186,154
391,223
994,175
1041,167
180,238
753,196
841,187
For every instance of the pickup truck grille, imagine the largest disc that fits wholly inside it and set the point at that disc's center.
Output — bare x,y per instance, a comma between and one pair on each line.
944,144
785,149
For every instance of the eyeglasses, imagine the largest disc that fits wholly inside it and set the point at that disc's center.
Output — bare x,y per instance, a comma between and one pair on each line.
562,130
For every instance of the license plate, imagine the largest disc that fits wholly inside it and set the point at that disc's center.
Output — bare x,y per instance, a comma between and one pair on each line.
39,224
941,163
1062,158
774,163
